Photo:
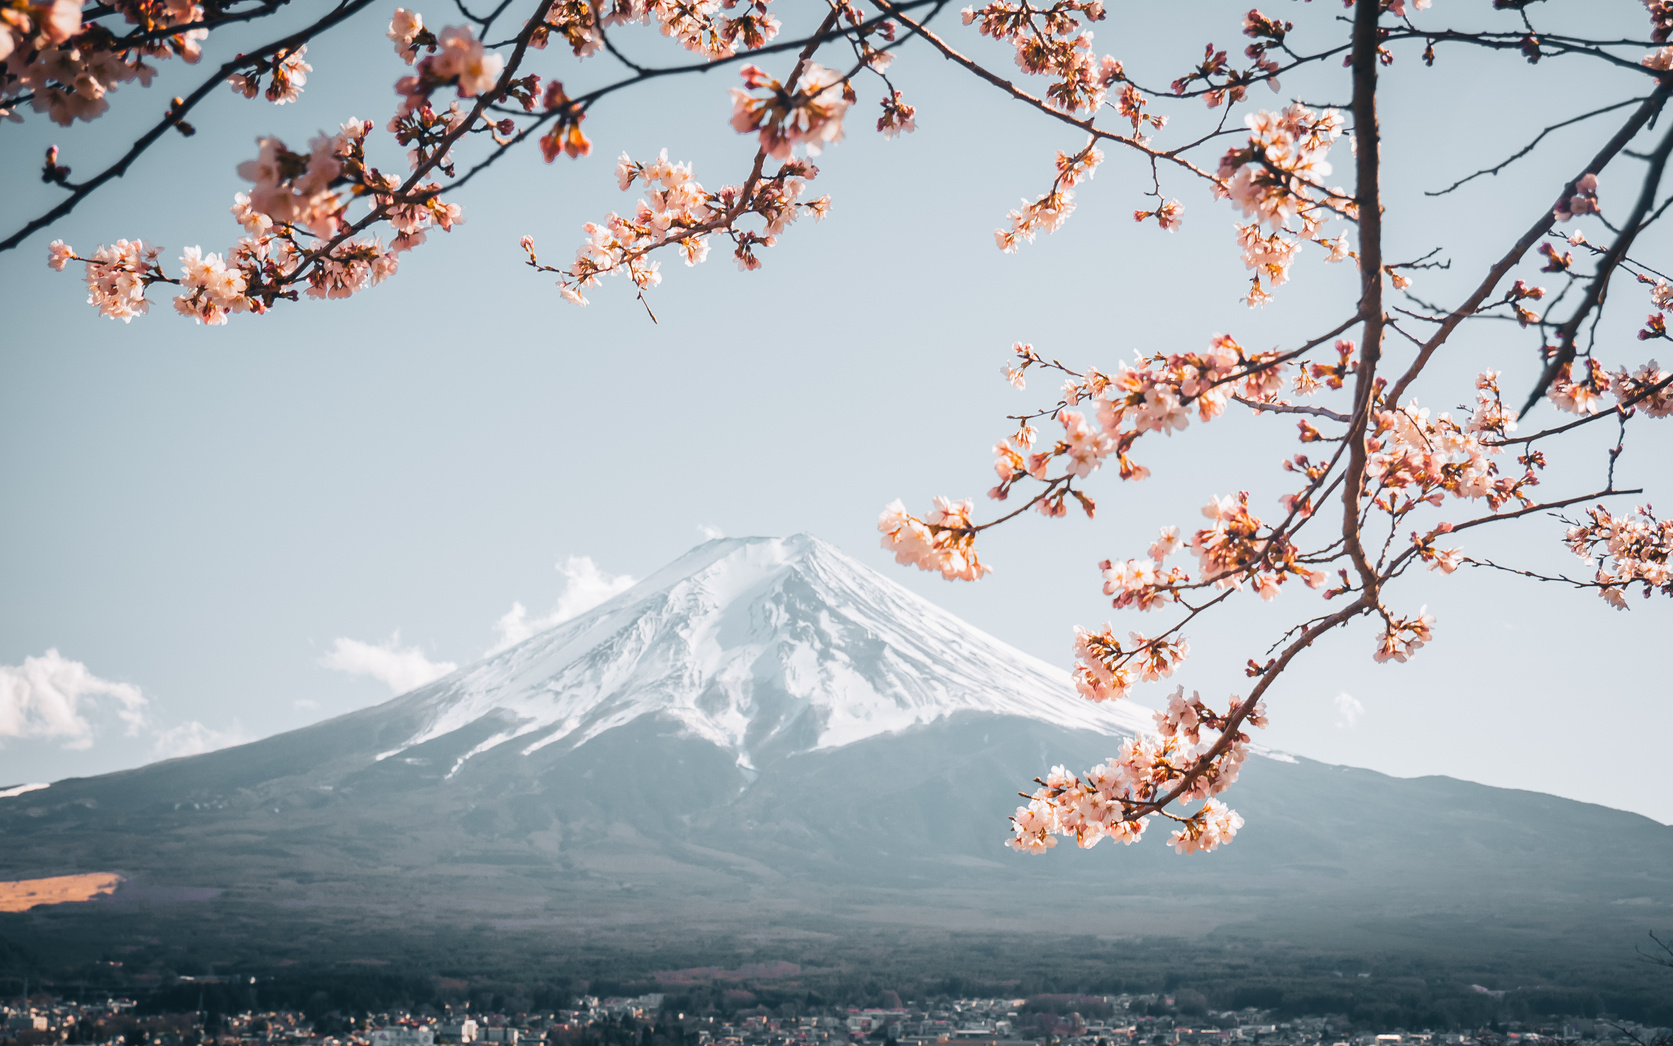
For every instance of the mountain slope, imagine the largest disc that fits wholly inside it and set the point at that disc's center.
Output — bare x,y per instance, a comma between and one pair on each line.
768,733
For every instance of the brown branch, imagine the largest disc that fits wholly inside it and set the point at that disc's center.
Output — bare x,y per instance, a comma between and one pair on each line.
1627,132
1247,707
1544,507
1368,198
1526,149
1619,410
1600,282
1295,408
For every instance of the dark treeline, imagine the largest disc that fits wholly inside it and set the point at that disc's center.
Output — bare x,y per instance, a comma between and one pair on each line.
503,972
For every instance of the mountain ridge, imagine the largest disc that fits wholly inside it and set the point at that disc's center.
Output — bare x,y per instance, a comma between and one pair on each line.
767,737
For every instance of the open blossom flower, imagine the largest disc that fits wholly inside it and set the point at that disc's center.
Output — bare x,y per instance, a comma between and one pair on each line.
1629,549
1580,395
1165,544
1580,199
1403,637
288,74
1213,826
405,30
898,117
1276,176
811,117
943,541
461,60
59,254
211,289
117,277
462,56
295,188
1647,389
54,21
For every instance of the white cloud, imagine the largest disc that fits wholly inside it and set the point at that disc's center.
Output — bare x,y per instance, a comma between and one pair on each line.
307,704
1348,711
709,532
585,587
50,696
194,739
397,667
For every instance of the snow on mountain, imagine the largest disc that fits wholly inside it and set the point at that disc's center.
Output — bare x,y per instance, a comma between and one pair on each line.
765,647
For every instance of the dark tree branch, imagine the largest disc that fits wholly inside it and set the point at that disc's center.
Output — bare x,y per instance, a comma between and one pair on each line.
1600,282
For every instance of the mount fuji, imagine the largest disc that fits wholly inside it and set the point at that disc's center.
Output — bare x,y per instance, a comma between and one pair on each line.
767,733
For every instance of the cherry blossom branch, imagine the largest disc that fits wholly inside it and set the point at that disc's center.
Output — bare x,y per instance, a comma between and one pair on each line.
583,102
1526,149
1545,507
1621,410
1369,199
1564,354
1642,116
1294,408
1088,125
802,59
174,115
1558,579
438,155
144,36
1248,705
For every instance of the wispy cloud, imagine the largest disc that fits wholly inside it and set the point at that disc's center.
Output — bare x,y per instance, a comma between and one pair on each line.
397,667
50,697
194,738
1348,711
585,587
710,532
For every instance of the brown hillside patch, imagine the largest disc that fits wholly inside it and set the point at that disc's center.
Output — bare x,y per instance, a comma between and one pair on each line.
20,895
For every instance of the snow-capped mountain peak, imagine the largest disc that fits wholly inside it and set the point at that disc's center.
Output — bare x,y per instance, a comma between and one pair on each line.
765,647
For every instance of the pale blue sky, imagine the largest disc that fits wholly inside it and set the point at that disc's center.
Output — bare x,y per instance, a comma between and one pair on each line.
203,512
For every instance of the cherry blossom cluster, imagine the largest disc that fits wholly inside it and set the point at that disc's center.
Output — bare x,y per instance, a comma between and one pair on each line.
295,217
459,61
1580,392
1277,179
1051,41
1145,583
944,540
1236,547
68,67
781,120
1402,636
286,73
1117,798
1157,395
1106,671
1415,457
1224,85
678,212
1052,209
1629,549
1648,389
698,25
117,275
1580,198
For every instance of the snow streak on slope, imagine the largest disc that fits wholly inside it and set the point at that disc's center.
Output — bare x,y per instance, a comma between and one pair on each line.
763,646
